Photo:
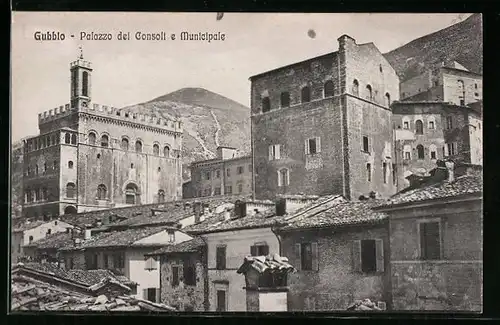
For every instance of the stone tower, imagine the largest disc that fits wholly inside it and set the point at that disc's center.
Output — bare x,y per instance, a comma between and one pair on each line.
90,156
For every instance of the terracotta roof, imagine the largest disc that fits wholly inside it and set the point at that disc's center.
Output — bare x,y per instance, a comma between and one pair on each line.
192,245
272,263
337,213
31,295
125,238
52,241
463,185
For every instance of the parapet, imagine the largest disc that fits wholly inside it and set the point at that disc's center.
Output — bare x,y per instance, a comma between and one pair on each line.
80,63
174,125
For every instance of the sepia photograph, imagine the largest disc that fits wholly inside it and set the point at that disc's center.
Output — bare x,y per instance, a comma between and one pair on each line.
246,162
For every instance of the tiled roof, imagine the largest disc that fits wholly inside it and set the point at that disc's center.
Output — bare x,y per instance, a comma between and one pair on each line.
124,238
218,223
463,185
272,263
361,305
31,295
192,245
337,213
28,226
52,241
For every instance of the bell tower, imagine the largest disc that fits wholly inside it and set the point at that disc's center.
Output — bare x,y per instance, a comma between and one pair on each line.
80,82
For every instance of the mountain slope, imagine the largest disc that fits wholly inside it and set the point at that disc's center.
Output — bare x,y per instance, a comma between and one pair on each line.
461,42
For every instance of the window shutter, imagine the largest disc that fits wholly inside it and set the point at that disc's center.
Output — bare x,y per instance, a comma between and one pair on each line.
318,144
253,250
315,262
270,152
379,246
306,146
356,255
265,250
280,181
423,252
158,298
277,151
145,294
298,258
281,150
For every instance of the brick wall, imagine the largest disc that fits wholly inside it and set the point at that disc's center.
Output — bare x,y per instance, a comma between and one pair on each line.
335,284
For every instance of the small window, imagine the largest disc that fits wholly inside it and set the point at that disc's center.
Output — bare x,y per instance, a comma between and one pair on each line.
101,192
259,250
73,139
217,174
369,172
220,258
221,300
49,231
452,148
449,122
419,127
131,166
70,164
161,196
369,92
44,167
36,169
228,172
124,144
240,170
430,241
407,155
175,276
48,141
406,125
306,254
384,171
67,138
92,138
475,86
228,189
420,151
266,104
70,190
283,177
171,236
98,156
274,152
366,145
138,146
217,191
159,169
328,89
208,175
189,274
355,88
368,256
55,165
431,125
156,150
433,155
104,141
387,100
305,94
313,146
166,151
240,188
119,260
285,99
30,239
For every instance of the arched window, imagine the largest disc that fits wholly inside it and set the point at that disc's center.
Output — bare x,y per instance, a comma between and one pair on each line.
101,192
328,89
104,141
387,99
70,190
156,150
70,210
124,144
419,127
369,92
355,88
283,177
285,99
420,151
85,83
433,151
70,164
266,104
305,94
73,139
92,138
161,196
166,151
67,138
30,239
138,146
131,194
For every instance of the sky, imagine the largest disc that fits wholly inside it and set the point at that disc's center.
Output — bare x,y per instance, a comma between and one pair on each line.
130,72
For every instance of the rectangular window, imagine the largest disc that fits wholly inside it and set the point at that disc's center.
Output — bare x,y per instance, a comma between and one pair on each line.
368,255
106,261
259,250
207,175
366,147
151,294
217,191
394,174
449,122
452,150
274,152
369,172
312,146
91,261
175,276
217,173
433,155
119,260
228,172
220,258
407,155
240,188
240,170
406,125
431,125
306,254
221,300
430,242
189,274
384,170
229,189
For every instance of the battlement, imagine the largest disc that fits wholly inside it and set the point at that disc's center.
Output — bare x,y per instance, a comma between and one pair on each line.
80,63
174,125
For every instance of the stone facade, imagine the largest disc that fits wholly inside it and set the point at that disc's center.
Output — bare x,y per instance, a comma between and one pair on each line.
446,130
225,175
334,282
90,157
183,296
454,280
315,143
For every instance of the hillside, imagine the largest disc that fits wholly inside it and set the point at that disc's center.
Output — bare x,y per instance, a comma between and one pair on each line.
210,120
461,42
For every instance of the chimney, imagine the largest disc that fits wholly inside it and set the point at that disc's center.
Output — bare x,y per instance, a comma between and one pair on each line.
373,195
227,214
280,207
450,166
240,209
344,41
198,211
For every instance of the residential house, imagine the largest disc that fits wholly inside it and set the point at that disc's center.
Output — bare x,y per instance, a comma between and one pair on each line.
31,232
436,241
123,252
47,248
183,274
340,249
